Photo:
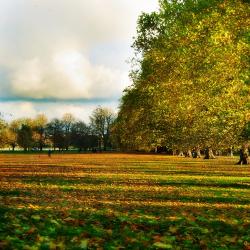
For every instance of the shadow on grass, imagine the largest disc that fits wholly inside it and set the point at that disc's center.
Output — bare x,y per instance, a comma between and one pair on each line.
111,195
133,182
90,229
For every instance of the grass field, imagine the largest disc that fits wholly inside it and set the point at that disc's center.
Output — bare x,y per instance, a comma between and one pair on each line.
123,201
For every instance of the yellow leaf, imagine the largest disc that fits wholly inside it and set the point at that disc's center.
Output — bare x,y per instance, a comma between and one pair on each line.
84,244
162,245
173,229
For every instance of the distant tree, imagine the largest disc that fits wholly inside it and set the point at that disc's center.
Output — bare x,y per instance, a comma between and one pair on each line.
67,121
24,137
39,127
55,133
101,121
12,132
80,135
92,140
3,133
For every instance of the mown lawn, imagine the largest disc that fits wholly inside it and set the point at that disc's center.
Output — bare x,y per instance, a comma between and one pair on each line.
123,201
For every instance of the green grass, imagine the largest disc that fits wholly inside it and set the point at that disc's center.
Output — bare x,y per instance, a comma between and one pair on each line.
121,201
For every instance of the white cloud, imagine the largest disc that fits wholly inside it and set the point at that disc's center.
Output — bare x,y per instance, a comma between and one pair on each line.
67,75
67,49
32,28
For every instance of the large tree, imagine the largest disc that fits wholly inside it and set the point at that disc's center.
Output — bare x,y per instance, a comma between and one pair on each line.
190,84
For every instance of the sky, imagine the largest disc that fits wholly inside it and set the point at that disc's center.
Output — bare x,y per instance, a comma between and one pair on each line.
65,56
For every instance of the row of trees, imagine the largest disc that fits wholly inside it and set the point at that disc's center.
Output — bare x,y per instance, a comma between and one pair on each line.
190,77
59,134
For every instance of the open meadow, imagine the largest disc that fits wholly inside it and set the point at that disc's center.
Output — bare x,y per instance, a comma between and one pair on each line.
123,201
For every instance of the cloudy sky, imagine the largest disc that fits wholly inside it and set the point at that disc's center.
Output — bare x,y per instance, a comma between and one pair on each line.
59,56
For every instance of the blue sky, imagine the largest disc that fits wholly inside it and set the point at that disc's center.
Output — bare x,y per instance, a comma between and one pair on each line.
60,56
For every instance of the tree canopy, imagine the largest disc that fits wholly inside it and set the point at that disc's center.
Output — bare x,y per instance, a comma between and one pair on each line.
191,76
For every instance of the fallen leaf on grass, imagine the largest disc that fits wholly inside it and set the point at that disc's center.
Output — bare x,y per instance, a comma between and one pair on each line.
162,245
57,246
31,230
173,229
35,217
84,244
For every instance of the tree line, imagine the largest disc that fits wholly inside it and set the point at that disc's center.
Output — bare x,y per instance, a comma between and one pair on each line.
59,134
190,74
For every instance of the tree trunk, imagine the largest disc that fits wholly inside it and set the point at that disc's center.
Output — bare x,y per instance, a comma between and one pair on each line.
209,154
243,155
231,152
181,153
189,153
198,151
